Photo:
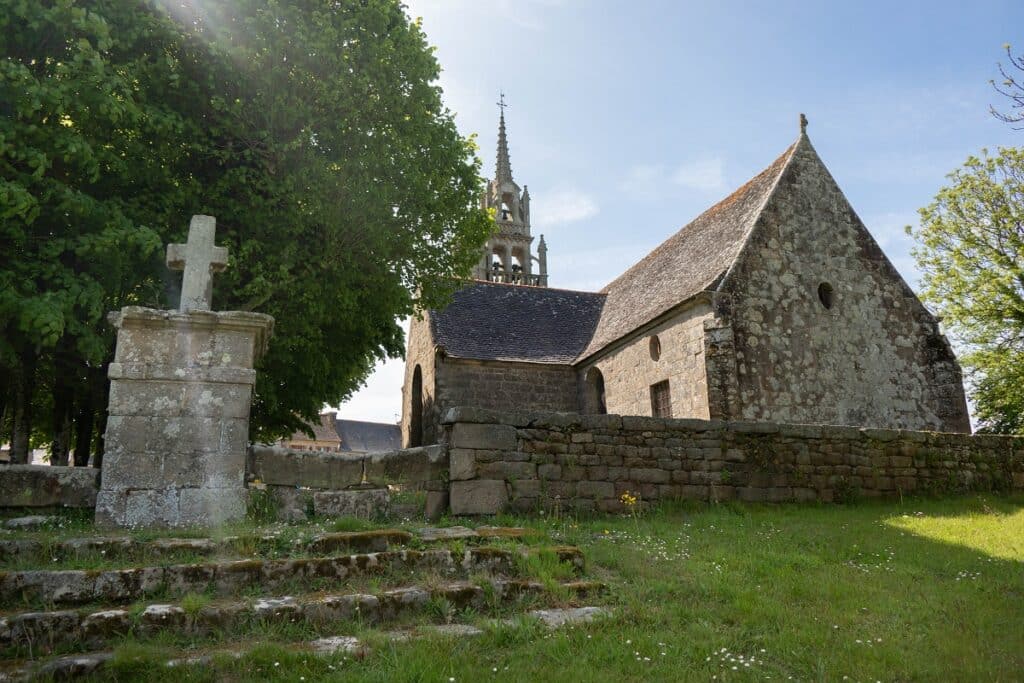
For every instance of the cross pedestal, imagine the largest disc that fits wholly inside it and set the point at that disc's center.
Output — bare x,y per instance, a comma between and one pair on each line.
180,392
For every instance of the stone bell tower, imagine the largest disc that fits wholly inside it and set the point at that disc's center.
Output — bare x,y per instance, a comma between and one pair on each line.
507,256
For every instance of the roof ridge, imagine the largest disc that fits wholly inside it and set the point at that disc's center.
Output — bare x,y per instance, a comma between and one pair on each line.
691,260
789,154
709,211
475,281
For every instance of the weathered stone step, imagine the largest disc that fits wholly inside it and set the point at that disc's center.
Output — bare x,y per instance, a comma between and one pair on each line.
369,541
74,666
44,631
453,533
75,587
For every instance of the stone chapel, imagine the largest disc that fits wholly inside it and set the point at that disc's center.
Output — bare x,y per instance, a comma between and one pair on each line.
775,305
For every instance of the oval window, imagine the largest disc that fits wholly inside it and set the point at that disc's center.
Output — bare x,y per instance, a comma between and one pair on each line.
825,294
655,347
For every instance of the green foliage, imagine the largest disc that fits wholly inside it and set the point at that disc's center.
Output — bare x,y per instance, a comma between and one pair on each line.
261,508
971,252
313,132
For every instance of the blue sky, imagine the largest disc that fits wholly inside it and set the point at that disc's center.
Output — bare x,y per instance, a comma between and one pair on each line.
627,120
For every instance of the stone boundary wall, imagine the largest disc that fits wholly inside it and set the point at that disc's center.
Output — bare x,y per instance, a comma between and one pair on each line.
295,476
530,461
45,486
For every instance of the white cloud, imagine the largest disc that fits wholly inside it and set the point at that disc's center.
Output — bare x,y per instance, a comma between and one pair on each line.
701,174
590,270
647,181
643,181
562,206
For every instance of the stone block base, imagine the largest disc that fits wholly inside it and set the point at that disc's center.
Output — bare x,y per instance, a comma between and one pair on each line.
44,486
171,507
296,504
478,497
363,503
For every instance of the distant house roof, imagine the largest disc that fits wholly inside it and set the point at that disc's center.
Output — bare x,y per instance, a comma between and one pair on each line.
492,321
323,430
368,437
690,261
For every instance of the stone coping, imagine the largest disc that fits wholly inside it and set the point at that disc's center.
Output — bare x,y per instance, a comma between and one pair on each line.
525,420
48,486
173,373
260,325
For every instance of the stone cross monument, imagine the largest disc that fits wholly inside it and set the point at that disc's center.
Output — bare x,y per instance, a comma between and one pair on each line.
200,259
180,391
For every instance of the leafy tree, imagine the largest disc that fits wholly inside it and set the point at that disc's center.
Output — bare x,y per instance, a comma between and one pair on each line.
313,132
71,248
971,251
1012,87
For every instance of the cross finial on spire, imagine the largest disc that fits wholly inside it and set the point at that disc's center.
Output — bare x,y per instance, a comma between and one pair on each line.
803,125
503,170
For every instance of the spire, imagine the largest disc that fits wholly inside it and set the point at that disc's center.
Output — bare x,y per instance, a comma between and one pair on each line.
504,166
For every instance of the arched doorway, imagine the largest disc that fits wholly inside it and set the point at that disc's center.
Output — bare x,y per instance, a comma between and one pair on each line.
416,409
595,392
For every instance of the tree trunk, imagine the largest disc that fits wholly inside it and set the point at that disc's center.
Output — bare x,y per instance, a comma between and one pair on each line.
24,388
5,403
63,402
84,422
104,397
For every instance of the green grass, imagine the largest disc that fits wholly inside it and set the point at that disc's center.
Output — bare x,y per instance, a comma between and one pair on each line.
925,590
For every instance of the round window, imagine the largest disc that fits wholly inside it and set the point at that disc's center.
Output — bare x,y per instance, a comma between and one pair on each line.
825,294
655,347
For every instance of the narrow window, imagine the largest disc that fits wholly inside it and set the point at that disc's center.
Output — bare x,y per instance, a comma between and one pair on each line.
595,391
416,409
661,402
825,294
655,347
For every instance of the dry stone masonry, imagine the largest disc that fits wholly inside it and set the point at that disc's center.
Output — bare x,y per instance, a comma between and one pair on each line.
533,461
180,392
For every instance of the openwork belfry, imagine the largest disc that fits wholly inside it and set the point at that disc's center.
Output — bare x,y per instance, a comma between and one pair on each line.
507,256
180,392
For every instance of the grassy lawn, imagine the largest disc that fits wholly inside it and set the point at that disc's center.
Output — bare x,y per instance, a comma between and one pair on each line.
924,590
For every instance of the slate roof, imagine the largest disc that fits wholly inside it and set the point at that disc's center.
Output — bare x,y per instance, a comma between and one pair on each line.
690,261
492,321
368,437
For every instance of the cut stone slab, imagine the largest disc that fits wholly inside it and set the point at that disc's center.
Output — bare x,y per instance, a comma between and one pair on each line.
478,497
505,532
46,486
334,644
484,436
74,666
437,505
461,464
29,523
451,533
554,618
377,540
454,630
362,503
